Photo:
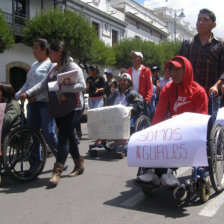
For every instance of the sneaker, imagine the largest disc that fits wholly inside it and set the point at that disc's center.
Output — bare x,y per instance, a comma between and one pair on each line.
168,179
149,177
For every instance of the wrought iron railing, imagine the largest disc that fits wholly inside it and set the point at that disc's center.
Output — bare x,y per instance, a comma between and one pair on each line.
16,21
15,18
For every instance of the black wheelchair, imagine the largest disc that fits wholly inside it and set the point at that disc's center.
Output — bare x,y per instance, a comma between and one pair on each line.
202,179
24,152
137,123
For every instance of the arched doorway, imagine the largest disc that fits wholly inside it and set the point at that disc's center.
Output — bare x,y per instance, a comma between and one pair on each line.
17,77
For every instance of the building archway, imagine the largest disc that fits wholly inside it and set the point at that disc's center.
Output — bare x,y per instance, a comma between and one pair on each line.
16,74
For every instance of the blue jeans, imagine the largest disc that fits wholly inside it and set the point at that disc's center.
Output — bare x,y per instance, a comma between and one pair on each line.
213,106
67,142
38,118
95,103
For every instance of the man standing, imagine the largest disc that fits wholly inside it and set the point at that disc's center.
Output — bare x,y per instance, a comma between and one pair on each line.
206,53
142,80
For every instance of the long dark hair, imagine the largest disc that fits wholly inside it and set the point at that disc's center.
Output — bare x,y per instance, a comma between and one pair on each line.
65,58
43,44
94,68
8,92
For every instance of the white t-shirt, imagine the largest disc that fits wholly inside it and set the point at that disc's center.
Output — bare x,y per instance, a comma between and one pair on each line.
135,78
120,99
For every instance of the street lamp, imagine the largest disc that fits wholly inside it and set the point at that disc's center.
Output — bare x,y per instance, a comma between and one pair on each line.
182,15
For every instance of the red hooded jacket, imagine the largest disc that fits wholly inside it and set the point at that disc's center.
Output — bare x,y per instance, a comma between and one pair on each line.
188,96
145,82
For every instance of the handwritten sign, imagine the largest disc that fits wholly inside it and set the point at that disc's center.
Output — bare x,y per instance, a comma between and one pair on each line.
111,122
2,113
177,142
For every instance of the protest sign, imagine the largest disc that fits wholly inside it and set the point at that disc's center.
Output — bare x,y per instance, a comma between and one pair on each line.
177,142
112,122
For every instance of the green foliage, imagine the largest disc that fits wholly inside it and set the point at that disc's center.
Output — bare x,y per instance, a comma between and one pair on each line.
6,37
170,49
154,54
71,28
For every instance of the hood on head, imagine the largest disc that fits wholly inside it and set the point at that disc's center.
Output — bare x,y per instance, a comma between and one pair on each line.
186,84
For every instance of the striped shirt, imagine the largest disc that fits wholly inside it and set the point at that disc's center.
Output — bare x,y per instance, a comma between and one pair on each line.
207,61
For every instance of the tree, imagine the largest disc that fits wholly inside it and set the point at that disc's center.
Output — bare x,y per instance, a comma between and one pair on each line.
75,31
154,53
6,37
170,49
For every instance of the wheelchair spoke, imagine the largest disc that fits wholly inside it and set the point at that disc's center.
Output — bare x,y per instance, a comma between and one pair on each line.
24,154
215,157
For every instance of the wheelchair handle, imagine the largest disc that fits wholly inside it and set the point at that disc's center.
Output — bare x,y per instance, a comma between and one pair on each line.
212,106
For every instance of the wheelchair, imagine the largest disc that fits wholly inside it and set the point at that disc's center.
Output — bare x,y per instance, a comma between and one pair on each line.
202,179
138,123
24,152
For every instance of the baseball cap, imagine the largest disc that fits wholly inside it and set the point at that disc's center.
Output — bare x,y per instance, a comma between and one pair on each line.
136,53
125,76
174,62
109,73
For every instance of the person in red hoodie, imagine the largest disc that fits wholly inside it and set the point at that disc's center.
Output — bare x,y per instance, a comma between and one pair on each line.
142,80
183,94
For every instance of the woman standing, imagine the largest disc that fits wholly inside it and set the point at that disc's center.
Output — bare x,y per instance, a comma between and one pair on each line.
66,106
37,108
95,87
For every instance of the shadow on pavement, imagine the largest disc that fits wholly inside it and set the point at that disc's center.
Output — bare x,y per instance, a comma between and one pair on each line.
9,186
159,201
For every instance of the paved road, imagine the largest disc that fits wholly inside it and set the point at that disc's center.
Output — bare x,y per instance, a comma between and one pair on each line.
103,194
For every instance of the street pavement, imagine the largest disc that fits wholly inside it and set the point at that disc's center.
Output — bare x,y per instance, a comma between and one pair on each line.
104,194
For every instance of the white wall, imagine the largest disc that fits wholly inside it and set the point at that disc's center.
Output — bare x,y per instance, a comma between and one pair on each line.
35,6
132,32
20,53
6,5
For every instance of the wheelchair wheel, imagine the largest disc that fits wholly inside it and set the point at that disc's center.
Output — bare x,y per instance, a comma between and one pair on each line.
142,122
204,190
93,152
216,157
24,154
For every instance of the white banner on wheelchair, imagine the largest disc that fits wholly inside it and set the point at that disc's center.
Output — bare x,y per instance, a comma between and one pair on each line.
177,142
112,122
220,117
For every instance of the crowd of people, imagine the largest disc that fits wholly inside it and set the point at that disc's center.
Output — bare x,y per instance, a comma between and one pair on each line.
188,79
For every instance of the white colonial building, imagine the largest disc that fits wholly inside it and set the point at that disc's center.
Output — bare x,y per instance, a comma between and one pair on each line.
112,19
178,28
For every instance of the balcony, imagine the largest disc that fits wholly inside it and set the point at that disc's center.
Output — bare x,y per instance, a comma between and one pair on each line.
16,22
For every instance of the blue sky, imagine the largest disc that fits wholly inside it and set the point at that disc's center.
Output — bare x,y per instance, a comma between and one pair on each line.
191,9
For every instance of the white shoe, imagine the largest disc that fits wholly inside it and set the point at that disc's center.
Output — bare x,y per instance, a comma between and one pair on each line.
149,177
168,179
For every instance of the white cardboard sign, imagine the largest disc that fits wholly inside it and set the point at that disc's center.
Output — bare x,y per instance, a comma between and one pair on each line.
112,122
177,142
